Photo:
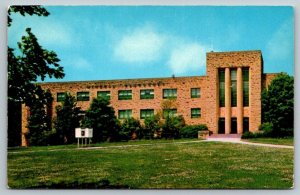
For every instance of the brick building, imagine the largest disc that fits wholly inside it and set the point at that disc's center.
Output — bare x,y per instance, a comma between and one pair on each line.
227,99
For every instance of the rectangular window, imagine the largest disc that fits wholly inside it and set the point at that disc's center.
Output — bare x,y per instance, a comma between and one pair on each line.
61,96
147,94
233,88
169,112
103,94
222,87
195,112
145,113
125,95
246,87
195,92
124,114
83,96
233,125
169,93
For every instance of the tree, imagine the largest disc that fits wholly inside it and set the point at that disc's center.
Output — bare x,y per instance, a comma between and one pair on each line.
67,119
130,129
172,126
39,124
26,65
278,105
101,117
152,126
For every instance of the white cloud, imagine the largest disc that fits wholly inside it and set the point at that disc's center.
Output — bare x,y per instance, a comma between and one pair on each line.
53,33
79,64
281,43
139,46
188,57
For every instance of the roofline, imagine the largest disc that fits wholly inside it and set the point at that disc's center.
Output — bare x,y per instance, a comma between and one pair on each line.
110,80
241,51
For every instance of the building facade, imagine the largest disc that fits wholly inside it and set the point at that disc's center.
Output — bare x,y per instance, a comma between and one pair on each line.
227,99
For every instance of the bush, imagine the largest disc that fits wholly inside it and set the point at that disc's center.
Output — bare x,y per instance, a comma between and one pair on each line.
152,125
172,126
130,129
249,135
191,131
267,129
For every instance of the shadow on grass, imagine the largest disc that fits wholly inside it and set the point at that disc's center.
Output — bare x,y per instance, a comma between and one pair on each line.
102,184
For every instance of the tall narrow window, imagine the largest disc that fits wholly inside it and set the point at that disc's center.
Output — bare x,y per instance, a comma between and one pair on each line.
246,87
245,124
222,87
233,88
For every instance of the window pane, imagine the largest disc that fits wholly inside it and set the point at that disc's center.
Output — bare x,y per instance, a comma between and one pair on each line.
123,114
195,112
221,87
195,92
147,94
246,86
61,96
233,88
83,96
169,93
103,94
144,113
125,95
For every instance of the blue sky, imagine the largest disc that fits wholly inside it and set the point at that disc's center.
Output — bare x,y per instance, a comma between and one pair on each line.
116,42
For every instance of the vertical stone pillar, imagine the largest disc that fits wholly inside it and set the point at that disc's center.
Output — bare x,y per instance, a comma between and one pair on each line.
239,101
227,102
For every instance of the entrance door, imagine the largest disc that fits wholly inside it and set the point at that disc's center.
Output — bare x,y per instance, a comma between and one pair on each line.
221,126
233,126
245,124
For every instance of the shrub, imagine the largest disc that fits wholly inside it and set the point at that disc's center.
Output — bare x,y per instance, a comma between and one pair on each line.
152,125
191,131
172,126
267,128
249,135
129,128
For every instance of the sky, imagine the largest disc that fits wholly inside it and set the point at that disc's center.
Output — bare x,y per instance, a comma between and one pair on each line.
123,42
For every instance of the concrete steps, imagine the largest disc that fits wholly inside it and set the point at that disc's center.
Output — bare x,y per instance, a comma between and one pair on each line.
225,137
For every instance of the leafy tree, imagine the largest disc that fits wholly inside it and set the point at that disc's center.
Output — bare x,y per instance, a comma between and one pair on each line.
67,119
152,125
278,105
172,126
130,128
27,64
39,124
101,117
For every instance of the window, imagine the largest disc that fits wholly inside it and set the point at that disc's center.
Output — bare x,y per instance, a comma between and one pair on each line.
221,126
125,95
246,87
147,94
83,96
233,88
103,94
222,87
169,93
61,96
145,113
195,92
195,112
123,114
169,112
233,125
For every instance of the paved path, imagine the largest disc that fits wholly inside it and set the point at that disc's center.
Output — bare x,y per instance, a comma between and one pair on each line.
166,143
238,141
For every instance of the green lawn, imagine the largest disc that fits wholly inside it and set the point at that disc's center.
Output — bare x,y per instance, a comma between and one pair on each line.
189,165
277,141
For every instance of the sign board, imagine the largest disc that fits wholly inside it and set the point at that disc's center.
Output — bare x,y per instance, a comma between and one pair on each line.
83,133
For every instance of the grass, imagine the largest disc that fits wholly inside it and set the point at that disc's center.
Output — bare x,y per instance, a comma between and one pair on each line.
276,141
190,165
